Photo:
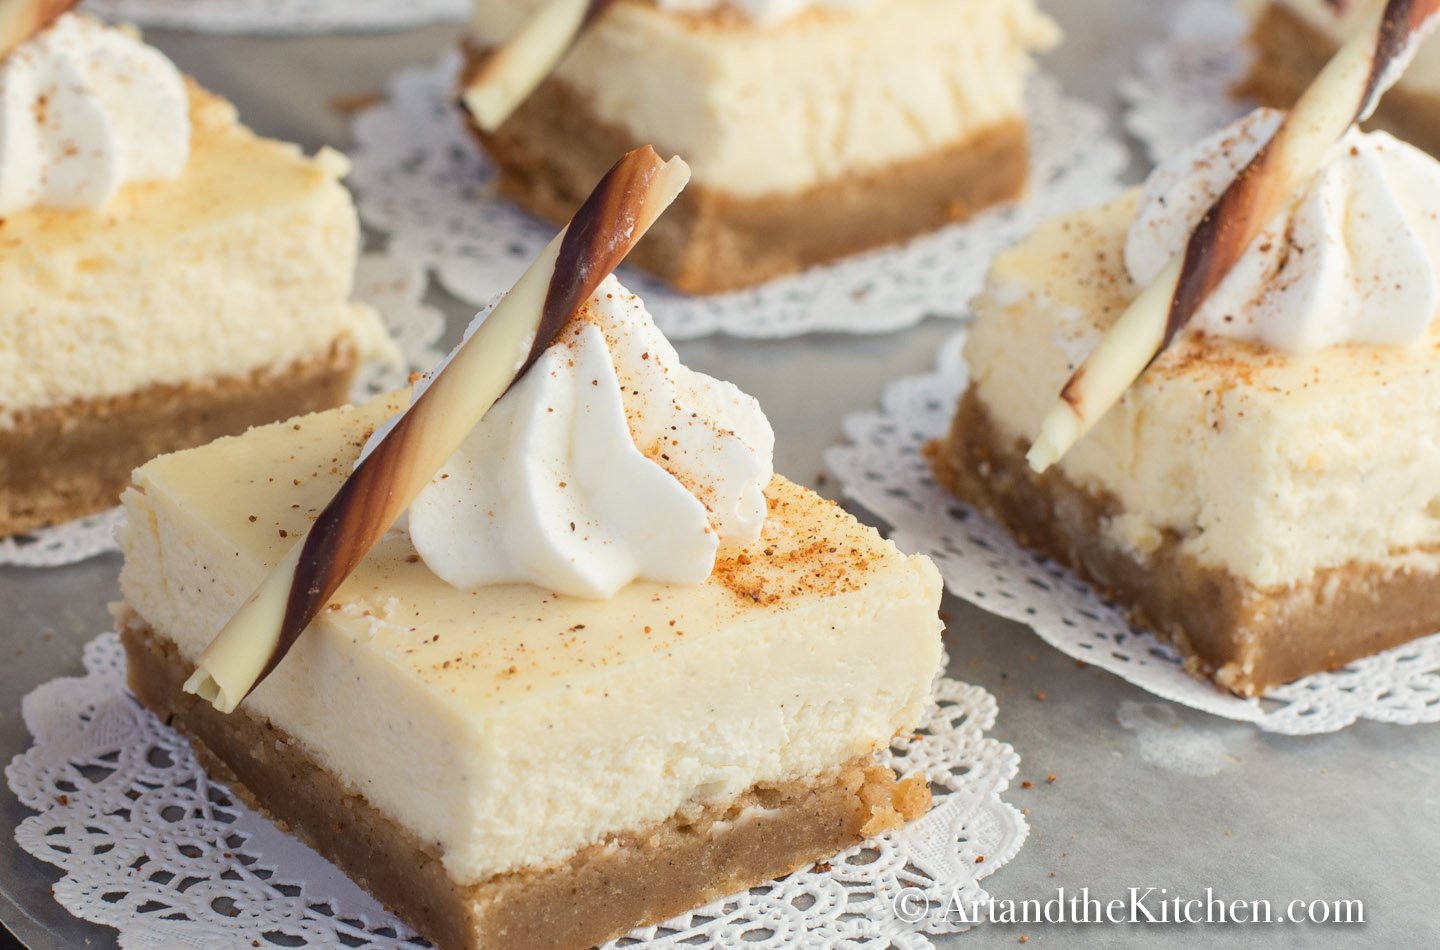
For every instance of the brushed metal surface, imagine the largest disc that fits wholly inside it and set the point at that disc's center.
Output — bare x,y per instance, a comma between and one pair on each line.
1349,815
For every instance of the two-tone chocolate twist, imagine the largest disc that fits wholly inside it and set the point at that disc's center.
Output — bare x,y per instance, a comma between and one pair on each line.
1344,94
520,328
506,76
22,19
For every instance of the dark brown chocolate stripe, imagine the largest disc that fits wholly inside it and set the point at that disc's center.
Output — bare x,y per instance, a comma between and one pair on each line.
1402,19
597,240
344,533
1220,239
1218,242
599,236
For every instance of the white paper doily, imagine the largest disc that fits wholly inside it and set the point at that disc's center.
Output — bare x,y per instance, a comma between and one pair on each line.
134,823
392,286
883,469
1181,91
281,17
420,177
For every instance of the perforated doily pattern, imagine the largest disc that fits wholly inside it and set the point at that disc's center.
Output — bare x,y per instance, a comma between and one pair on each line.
392,286
883,469
422,179
281,17
150,846
1181,89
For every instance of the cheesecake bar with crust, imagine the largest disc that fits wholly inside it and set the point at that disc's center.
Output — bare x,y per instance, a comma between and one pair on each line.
179,311
506,767
840,129
1271,514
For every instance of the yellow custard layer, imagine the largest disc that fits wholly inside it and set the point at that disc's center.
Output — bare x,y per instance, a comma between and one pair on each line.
246,261
1269,465
779,108
513,726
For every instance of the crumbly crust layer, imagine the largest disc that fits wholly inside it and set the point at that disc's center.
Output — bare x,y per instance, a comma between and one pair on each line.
553,149
1245,638
1292,51
62,462
603,891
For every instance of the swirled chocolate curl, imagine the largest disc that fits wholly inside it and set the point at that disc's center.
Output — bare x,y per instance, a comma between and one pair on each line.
22,19
507,75
1344,94
520,328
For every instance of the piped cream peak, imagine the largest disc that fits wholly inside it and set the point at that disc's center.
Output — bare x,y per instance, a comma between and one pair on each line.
1344,94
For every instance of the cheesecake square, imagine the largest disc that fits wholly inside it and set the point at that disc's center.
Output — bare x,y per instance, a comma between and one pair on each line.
1293,39
180,311
836,130
508,767
1271,514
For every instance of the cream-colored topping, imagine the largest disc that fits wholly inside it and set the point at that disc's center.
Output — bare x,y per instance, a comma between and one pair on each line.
1356,260
513,726
763,12
244,262
85,109
785,108
1342,20
1268,465
609,461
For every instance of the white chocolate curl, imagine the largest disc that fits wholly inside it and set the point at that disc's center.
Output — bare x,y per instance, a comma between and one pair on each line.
1357,261
509,74
1344,93
623,207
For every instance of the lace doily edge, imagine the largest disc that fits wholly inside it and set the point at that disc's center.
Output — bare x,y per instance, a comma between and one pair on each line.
72,893
846,461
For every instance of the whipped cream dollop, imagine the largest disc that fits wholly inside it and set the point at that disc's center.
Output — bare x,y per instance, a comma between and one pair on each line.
762,12
608,462
84,110
1357,259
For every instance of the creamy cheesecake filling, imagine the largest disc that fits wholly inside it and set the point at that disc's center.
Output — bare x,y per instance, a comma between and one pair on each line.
1245,638
1267,465
1342,19
760,111
512,726
601,892
245,261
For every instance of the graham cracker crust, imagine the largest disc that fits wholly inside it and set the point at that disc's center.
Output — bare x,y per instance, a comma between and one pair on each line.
61,462
552,151
1291,52
603,891
1245,638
